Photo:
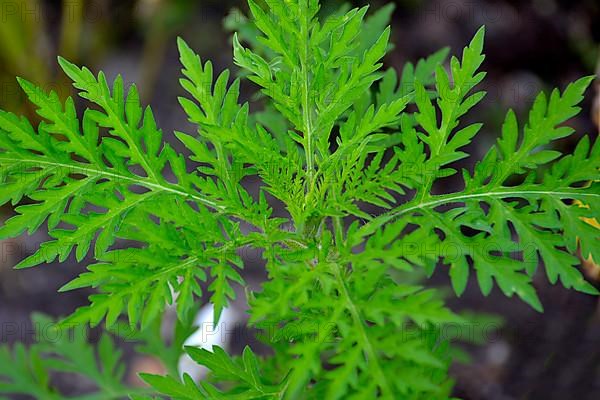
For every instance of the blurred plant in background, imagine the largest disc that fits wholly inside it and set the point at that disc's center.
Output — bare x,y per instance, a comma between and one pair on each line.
84,31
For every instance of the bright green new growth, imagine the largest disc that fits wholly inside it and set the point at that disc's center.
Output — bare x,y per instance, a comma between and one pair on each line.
338,145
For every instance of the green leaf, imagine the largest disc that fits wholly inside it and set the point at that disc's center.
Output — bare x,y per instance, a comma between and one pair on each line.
332,176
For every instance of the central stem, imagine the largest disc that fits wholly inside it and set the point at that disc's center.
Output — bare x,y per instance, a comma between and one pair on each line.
306,107
359,324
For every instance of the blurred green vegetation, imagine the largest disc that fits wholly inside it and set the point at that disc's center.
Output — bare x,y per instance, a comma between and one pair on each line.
34,32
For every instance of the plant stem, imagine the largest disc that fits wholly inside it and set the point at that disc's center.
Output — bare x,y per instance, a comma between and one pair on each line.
306,109
360,326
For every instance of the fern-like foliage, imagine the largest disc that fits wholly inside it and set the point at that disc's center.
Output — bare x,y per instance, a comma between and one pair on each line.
29,371
360,174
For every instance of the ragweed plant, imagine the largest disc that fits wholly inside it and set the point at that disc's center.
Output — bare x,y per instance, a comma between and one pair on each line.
351,157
